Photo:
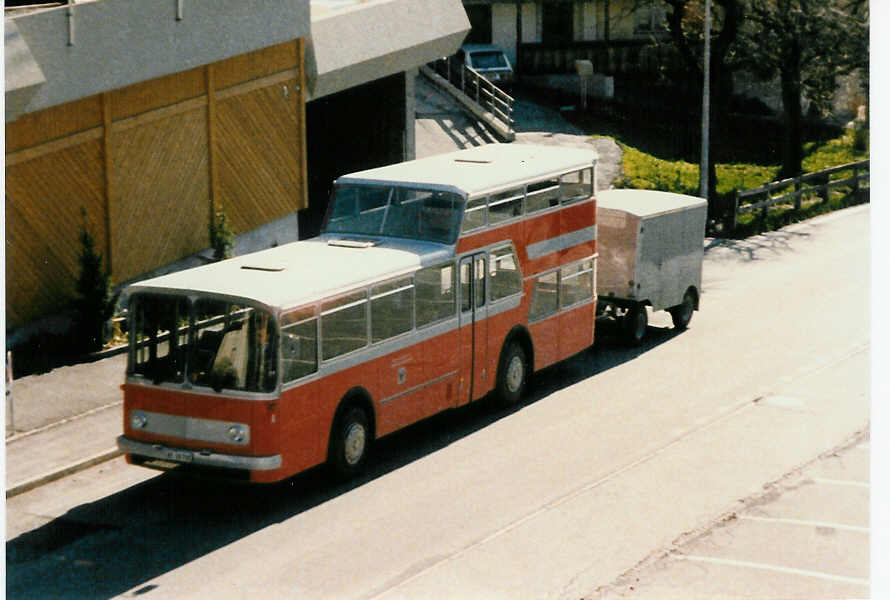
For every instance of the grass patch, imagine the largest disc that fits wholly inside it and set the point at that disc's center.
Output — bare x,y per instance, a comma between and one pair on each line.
646,172
641,170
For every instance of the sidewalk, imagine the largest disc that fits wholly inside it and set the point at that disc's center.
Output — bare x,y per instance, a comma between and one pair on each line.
65,420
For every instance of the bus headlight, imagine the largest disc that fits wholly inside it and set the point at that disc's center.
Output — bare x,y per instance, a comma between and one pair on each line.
138,420
237,433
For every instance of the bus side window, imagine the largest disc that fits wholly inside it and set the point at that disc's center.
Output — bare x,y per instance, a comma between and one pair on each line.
299,344
542,195
392,308
435,298
504,276
576,283
344,325
545,297
577,185
475,215
504,206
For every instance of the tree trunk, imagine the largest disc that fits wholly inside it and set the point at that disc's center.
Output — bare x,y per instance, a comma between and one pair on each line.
792,138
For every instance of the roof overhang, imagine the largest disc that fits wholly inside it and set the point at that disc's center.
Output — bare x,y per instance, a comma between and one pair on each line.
358,42
23,75
52,55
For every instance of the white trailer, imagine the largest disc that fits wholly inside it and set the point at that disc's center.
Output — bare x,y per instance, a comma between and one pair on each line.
651,246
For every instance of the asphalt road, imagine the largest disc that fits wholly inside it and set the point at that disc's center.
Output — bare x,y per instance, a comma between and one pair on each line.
616,455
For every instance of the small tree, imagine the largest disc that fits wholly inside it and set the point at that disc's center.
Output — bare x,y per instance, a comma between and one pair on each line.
221,236
94,302
685,22
808,44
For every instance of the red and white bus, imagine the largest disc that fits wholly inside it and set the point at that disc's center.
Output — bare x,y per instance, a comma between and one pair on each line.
434,283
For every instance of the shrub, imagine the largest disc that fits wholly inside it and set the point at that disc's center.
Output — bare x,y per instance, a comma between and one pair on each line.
94,302
221,236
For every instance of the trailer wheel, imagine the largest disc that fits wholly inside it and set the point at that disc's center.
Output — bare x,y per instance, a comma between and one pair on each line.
682,313
351,438
635,323
512,374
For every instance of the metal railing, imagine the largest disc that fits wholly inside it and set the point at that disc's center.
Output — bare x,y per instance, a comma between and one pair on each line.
818,184
474,85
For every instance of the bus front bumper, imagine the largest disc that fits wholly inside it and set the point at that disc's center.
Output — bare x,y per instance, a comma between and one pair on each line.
201,458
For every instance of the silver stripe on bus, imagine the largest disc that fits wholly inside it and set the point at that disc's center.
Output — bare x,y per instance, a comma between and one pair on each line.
419,387
561,242
201,390
192,428
199,457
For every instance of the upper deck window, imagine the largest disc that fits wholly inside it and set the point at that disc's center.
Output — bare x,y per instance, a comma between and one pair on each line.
577,185
391,211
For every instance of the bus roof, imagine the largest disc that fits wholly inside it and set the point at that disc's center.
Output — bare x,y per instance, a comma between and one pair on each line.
480,169
299,273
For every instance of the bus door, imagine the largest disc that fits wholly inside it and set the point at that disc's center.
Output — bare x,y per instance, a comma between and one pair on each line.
474,380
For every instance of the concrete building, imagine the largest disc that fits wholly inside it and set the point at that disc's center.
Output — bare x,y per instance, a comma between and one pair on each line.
546,36
137,120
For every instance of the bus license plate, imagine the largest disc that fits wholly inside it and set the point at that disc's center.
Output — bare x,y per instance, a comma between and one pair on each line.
183,456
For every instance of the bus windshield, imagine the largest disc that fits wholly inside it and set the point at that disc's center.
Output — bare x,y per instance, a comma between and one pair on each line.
208,342
392,211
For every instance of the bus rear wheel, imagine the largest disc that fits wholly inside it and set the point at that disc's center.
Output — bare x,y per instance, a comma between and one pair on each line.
350,441
512,374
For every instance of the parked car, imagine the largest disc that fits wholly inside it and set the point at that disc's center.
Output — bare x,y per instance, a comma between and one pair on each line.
490,61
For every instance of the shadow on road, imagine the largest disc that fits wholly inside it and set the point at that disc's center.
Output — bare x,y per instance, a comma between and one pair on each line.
123,541
760,247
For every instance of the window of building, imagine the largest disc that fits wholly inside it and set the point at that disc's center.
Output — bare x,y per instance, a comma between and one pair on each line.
480,23
647,19
557,22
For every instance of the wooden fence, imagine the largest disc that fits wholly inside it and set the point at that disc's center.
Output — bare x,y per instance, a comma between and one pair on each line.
818,184
144,167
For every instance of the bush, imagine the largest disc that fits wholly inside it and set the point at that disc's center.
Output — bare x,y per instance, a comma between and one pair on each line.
94,302
221,236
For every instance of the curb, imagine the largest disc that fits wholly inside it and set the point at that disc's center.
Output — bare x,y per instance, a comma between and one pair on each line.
25,486
24,434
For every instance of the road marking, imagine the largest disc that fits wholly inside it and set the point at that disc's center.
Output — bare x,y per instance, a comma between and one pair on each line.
806,523
861,484
764,567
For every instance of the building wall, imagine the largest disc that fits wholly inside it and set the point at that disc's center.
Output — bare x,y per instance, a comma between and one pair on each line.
359,128
589,15
588,21
143,167
503,18
530,31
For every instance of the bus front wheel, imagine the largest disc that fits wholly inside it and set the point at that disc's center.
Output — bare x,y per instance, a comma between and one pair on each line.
350,441
512,374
